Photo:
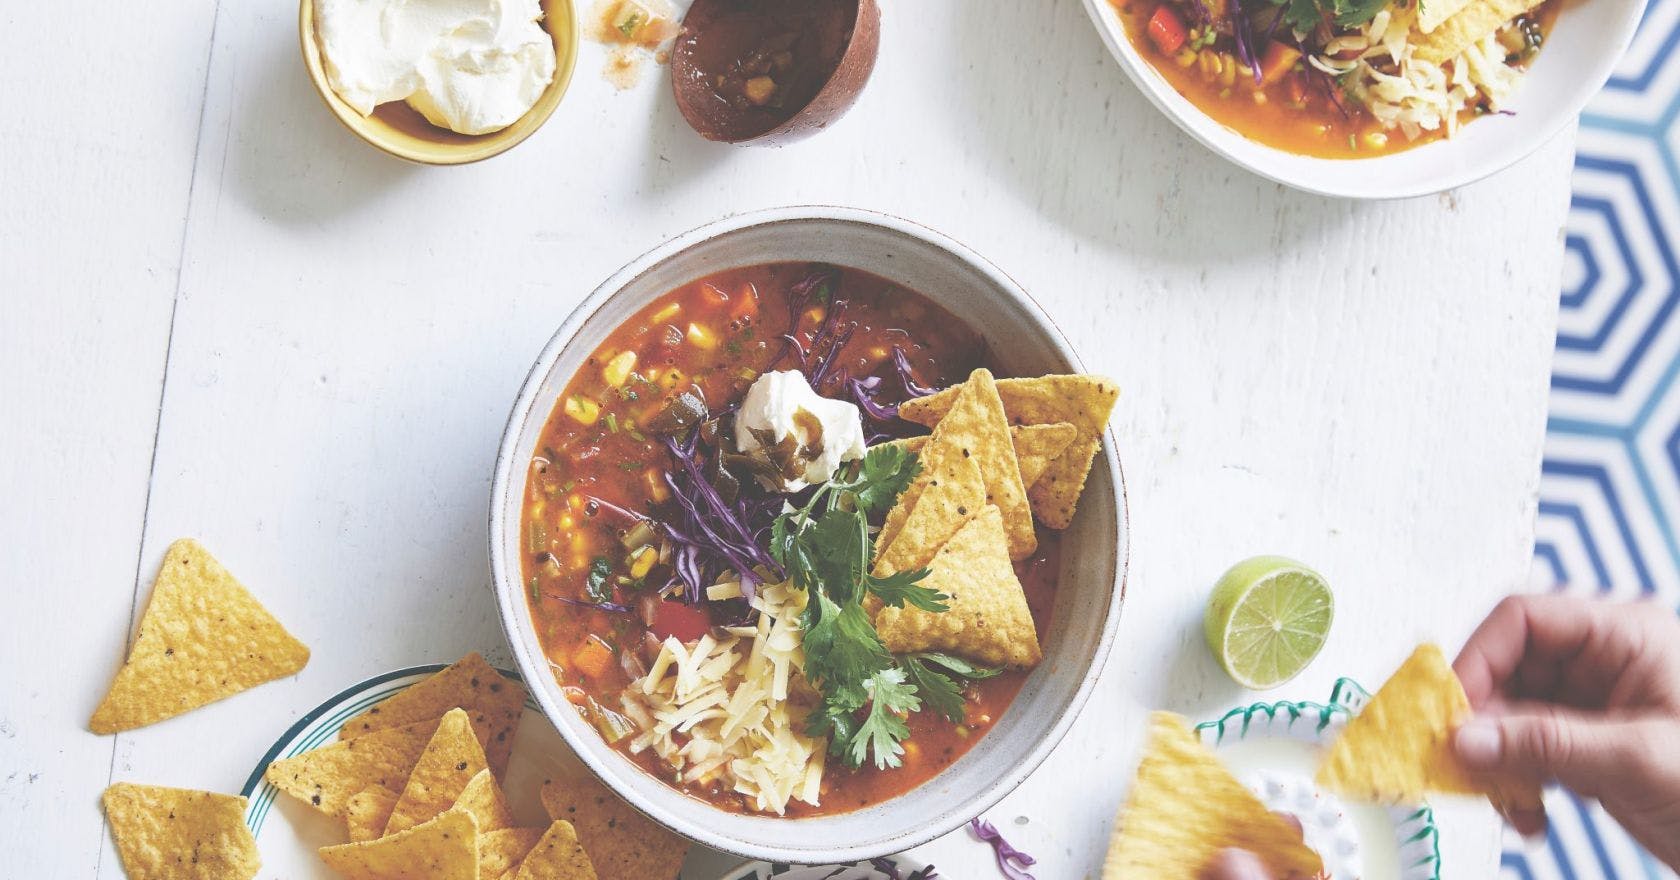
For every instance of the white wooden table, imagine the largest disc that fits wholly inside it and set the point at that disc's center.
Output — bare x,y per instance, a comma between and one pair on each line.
223,316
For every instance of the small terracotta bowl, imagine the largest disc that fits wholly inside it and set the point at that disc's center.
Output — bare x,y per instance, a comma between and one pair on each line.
401,131
716,119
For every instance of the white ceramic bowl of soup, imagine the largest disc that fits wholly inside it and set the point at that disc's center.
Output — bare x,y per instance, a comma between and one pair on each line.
1090,587
1584,45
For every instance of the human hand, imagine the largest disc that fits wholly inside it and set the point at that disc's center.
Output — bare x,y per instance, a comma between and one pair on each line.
1587,693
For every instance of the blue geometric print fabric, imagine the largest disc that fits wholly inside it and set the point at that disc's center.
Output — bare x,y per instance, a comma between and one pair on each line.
1609,519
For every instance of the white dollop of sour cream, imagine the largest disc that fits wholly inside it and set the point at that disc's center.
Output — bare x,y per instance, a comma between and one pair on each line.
471,66
1325,824
768,411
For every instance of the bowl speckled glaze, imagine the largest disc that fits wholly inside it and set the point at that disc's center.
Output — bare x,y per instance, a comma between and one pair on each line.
1093,566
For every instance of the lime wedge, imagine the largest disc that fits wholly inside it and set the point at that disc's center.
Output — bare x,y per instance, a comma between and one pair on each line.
1266,620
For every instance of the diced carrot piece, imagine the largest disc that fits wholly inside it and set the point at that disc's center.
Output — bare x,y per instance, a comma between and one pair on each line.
1276,61
593,658
1166,29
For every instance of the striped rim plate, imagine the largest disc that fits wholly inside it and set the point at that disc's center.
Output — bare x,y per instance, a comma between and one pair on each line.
288,832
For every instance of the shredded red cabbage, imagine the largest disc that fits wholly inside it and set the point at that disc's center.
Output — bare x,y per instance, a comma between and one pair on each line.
819,356
613,607
890,868
1011,861
710,535
1245,46
863,394
901,363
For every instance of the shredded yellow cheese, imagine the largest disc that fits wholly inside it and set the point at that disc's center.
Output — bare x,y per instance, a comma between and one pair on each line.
732,711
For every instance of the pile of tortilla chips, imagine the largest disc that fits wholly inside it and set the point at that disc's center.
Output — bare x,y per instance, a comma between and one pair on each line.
1448,27
415,780
1001,453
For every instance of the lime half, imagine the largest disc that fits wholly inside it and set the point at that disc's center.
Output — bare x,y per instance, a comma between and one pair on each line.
1266,620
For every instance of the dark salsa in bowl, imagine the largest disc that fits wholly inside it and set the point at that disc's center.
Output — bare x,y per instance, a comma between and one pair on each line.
1341,78
787,543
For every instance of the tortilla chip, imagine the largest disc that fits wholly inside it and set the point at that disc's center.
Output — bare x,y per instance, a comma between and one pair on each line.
1038,445
180,834
987,618
954,494
558,856
501,851
1481,18
203,637
907,499
451,759
622,843
1184,807
976,427
494,701
483,797
367,811
445,848
327,777
1082,401
1432,12
1399,747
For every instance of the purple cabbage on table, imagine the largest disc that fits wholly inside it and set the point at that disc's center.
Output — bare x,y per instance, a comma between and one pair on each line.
1011,861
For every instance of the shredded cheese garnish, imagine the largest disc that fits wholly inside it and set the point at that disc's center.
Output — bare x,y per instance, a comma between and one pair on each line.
1406,92
732,711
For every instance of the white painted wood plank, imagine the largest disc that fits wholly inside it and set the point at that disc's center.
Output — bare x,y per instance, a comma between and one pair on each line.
1361,385
95,161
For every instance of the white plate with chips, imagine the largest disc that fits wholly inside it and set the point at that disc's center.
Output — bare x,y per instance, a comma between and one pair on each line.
289,832
1274,748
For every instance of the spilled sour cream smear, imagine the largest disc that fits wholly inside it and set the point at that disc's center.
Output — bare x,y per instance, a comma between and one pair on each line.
471,66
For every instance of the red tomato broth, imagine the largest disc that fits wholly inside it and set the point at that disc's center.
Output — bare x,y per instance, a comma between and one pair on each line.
1298,111
737,318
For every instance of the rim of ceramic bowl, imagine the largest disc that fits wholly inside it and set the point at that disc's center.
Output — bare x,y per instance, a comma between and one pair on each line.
591,750
1322,176
486,146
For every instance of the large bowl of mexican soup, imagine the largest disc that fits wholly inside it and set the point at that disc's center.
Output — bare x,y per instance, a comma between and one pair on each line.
810,519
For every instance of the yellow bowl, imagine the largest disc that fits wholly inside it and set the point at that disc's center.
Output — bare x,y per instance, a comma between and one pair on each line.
400,130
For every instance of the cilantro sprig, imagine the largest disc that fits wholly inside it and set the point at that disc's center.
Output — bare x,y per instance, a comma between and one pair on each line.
826,548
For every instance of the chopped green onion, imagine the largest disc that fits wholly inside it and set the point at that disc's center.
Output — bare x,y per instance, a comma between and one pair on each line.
612,423
536,594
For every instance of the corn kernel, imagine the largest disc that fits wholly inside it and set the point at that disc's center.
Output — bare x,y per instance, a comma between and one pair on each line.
702,337
655,479
582,410
1376,140
1185,57
664,315
575,502
671,379
641,562
580,541
912,752
617,370
814,314
567,522
1227,72
1209,62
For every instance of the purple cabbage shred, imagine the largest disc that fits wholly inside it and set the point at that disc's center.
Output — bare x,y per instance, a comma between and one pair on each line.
1245,45
613,607
901,363
1011,861
710,535
890,868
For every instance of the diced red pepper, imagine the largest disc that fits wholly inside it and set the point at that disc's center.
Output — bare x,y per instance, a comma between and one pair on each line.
686,622
1166,29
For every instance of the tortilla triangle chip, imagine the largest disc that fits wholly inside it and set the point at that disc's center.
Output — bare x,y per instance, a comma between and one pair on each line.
451,759
1038,445
1478,19
494,701
203,637
976,427
1184,807
1080,400
367,811
1399,747
445,848
622,843
954,493
558,856
179,834
986,619
501,851
327,777
483,797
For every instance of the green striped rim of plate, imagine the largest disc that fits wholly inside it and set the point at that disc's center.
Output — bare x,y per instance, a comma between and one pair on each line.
1417,840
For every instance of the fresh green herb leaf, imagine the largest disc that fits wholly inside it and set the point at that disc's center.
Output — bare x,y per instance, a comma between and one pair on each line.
900,587
958,665
842,649
941,694
595,585
882,732
612,422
